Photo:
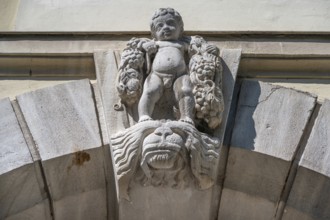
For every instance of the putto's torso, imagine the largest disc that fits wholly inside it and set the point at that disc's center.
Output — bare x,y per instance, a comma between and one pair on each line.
170,58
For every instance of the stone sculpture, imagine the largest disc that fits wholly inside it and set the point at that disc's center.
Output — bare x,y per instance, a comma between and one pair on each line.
174,82
161,153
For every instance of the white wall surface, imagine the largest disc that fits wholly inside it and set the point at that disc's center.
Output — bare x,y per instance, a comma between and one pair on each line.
198,15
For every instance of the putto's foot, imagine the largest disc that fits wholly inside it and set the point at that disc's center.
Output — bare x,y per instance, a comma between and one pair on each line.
187,120
145,118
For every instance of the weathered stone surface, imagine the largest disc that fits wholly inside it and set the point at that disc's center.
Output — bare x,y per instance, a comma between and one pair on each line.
62,119
164,100
239,205
175,78
271,119
207,201
309,196
106,71
14,151
20,189
151,203
269,124
230,64
109,170
38,211
316,156
100,112
63,122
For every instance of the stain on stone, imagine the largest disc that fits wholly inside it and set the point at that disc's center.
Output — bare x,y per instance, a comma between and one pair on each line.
80,158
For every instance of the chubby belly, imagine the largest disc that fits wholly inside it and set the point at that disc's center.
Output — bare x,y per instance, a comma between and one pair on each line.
169,60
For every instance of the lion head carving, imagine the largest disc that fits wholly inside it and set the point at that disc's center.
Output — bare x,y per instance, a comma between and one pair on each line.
168,153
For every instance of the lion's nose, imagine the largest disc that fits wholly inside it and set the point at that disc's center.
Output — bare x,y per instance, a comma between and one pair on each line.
163,131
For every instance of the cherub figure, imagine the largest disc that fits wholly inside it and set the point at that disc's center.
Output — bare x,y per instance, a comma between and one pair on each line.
168,67
166,64
175,80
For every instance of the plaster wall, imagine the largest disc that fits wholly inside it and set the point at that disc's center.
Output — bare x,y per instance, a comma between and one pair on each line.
8,11
284,16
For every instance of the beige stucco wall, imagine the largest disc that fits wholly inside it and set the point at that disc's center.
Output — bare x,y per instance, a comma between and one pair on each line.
8,11
123,15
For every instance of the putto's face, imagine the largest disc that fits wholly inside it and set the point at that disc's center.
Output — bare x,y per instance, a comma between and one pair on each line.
166,28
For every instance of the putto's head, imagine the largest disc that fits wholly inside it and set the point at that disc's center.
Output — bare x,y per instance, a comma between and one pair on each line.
166,24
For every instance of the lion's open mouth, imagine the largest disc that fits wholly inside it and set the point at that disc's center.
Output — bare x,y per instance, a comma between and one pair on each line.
160,156
161,160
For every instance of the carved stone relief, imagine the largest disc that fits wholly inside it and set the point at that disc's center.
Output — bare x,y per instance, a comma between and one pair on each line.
173,83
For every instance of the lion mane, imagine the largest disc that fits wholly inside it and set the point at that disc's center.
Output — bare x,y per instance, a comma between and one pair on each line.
199,154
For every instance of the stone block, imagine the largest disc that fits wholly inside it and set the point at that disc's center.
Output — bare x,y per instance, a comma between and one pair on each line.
242,203
106,71
269,124
230,63
38,211
21,187
109,170
169,203
63,123
151,203
309,197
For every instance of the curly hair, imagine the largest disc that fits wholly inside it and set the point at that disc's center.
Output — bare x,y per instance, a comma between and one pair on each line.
164,11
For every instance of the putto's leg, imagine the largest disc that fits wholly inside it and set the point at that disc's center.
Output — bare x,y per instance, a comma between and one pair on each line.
152,91
184,96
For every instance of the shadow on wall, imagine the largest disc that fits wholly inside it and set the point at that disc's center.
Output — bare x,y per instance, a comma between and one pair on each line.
244,133
313,202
